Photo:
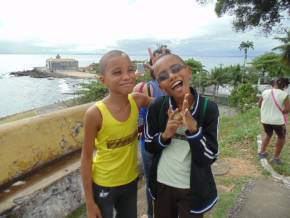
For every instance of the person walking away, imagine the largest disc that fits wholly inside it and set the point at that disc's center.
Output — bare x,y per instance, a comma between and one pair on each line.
275,106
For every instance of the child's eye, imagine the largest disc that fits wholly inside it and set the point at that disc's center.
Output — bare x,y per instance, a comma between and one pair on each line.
131,69
117,72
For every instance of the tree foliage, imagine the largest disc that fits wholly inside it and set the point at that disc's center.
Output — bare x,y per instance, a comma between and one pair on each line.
248,14
227,75
196,66
200,80
271,64
245,46
92,91
199,74
220,76
284,48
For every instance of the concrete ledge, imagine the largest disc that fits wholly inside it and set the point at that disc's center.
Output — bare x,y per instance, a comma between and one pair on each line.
30,143
265,164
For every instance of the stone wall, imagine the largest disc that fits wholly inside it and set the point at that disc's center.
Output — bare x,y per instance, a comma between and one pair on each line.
56,200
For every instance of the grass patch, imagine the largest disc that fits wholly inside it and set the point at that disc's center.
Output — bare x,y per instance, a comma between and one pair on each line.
227,199
238,131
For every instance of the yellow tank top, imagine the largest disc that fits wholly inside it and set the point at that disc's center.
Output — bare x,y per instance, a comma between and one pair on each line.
115,161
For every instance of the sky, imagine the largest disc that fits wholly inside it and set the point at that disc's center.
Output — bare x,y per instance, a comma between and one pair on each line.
96,26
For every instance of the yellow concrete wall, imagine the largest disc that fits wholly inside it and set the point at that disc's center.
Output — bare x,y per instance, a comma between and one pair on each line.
27,144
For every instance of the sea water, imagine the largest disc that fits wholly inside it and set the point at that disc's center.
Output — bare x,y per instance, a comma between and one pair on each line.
19,94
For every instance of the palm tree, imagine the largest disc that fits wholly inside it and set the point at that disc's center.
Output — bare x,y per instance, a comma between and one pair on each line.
285,48
246,46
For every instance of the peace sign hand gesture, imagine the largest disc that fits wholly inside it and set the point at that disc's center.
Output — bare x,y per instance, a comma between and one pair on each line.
154,57
173,123
188,121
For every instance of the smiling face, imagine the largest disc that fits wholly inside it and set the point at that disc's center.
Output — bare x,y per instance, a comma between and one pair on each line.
119,74
173,75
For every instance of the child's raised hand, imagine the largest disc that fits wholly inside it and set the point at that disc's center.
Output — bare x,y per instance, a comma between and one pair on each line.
188,121
173,123
152,57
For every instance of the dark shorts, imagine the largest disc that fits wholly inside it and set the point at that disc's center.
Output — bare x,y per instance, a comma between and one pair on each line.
121,198
280,130
170,203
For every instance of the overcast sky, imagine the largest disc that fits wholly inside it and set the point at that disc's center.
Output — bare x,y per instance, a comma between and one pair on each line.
90,26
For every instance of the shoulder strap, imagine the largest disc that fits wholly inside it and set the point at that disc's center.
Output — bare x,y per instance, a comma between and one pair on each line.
276,103
204,110
148,90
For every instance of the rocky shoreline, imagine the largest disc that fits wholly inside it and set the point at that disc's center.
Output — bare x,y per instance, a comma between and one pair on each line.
37,73
42,72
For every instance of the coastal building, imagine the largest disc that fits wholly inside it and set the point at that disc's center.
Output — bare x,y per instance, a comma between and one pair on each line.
62,64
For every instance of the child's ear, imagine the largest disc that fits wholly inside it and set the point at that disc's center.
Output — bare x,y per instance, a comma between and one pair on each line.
161,88
189,71
101,79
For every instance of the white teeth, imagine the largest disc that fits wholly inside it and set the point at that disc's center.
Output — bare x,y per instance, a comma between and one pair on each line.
176,84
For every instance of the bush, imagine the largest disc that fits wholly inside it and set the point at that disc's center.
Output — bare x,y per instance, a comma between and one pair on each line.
92,91
244,97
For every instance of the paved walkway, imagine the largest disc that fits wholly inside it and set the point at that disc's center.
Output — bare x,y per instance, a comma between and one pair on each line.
268,198
263,199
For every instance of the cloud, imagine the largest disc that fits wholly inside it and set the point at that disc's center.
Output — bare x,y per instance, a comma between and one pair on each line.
91,26
32,47
101,23
214,44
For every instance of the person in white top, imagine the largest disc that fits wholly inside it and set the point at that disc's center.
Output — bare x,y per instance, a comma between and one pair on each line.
275,106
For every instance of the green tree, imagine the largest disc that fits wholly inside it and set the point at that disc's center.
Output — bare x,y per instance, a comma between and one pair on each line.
236,75
200,80
252,75
92,91
199,74
270,63
285,48
245,46
248,14
196,66
230,75
218,77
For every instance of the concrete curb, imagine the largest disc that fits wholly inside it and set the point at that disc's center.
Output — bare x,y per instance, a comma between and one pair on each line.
265,164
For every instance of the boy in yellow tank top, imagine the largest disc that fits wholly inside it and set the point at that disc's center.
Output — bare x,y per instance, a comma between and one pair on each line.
109,155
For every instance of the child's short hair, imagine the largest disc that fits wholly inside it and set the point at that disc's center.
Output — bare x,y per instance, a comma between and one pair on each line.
104,60
171,54
281,82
